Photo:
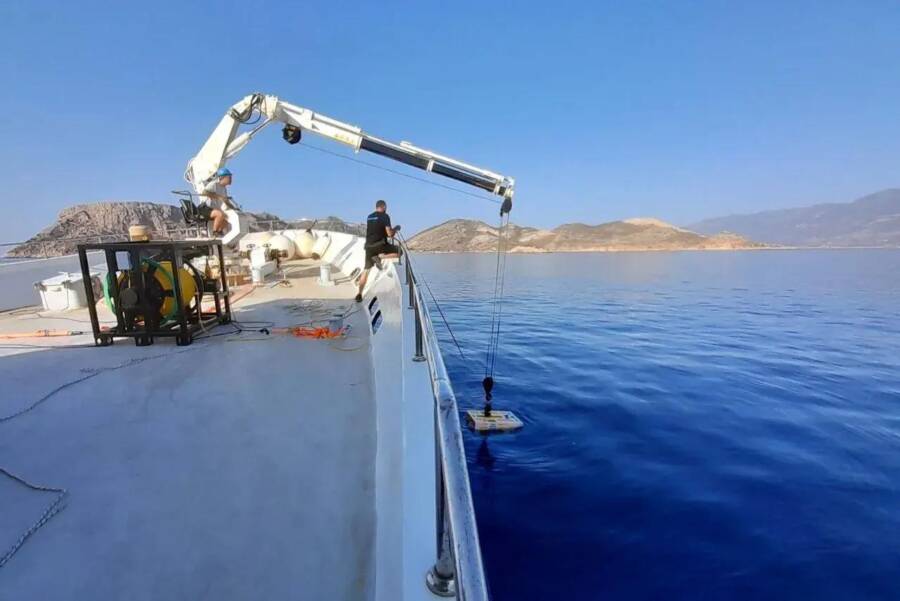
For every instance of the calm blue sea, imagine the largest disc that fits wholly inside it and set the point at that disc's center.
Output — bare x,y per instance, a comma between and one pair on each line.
699,425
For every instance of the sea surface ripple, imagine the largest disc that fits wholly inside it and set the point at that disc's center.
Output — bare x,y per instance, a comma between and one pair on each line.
698,425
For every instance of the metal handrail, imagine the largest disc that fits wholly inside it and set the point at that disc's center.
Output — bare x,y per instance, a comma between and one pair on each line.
458,570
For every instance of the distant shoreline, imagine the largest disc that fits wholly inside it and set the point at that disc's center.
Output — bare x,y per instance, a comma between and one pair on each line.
647,250
20,260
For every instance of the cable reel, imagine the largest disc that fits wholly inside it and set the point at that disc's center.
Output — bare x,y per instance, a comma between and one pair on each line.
156,292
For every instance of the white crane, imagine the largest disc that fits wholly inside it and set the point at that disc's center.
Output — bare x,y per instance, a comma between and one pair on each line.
225,143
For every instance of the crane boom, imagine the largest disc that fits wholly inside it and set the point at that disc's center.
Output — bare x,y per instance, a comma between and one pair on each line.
225,143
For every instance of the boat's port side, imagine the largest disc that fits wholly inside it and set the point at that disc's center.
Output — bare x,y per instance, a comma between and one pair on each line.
420,464
426,534
392,470
404,464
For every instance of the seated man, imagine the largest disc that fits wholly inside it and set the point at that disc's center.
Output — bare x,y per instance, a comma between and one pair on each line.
378,230
216,201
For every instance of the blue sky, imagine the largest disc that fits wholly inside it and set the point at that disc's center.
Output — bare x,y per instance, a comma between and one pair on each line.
601,110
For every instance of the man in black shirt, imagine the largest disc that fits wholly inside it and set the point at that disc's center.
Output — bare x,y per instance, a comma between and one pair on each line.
378,230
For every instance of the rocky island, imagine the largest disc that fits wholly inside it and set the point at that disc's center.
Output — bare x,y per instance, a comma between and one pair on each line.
110,221
107,221
466,235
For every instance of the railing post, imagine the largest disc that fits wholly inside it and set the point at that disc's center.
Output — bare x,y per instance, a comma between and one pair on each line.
408,272
419,356
441,579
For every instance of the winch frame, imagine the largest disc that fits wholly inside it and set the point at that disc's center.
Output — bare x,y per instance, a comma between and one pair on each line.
183,324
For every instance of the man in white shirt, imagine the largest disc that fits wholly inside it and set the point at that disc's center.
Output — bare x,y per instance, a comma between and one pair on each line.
216,200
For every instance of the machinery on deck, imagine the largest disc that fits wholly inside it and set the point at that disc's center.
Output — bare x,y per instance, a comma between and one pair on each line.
262,110
155,289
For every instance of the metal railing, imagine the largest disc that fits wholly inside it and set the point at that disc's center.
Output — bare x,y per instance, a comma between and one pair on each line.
458,570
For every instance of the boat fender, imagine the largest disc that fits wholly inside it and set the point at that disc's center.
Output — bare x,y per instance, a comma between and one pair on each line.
321,245
283,246
305,242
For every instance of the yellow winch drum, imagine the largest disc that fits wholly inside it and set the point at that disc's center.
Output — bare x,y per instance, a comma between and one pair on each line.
163,275
186,282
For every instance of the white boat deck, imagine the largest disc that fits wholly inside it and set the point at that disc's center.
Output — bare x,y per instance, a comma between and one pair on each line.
240,467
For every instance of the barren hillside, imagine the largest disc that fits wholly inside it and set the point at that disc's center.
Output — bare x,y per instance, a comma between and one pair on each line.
461,235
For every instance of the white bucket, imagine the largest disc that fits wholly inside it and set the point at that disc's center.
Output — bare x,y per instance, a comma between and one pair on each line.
325,275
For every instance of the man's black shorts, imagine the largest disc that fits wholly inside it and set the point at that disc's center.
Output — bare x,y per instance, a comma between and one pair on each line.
385,248
205,211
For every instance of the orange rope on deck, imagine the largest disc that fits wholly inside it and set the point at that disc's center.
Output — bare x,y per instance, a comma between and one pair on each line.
47,334
40,334
302,332
236,295
299,332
